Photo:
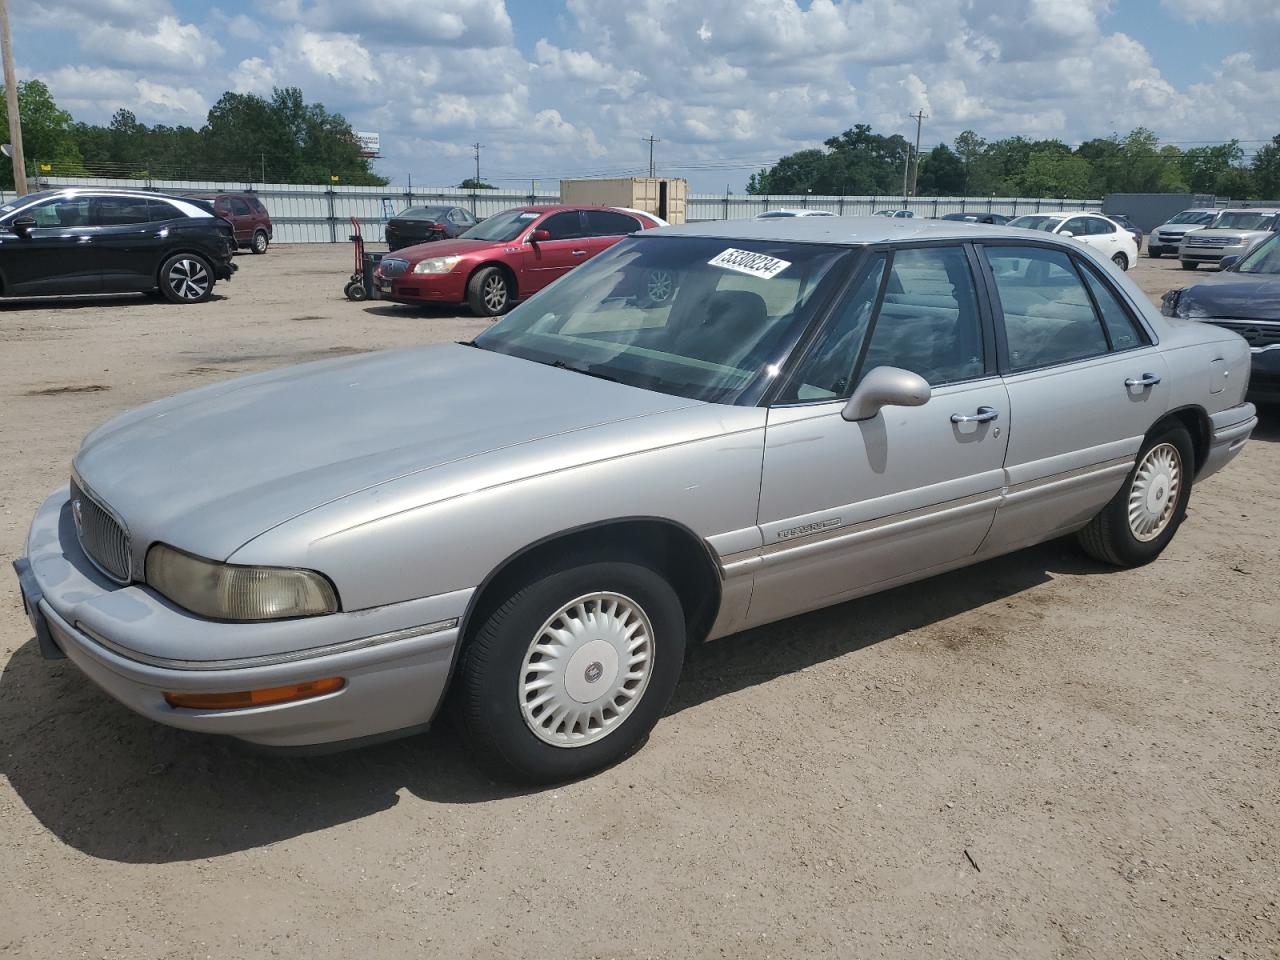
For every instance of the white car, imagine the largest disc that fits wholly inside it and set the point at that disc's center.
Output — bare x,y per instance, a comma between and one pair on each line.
897,214
792,212
1103,234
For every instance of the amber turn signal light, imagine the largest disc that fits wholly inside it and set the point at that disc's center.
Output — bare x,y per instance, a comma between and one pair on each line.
255,698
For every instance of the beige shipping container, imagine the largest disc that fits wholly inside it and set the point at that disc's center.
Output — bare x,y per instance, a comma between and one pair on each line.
664,197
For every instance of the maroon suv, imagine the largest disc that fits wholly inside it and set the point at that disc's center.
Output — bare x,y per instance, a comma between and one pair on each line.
246,214
510,256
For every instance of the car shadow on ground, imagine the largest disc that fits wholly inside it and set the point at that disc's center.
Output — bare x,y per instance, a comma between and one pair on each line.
427,311
19,304
118,787
1268,427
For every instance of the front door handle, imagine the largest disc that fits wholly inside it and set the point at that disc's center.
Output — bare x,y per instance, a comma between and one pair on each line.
984,415
578,253
1146,380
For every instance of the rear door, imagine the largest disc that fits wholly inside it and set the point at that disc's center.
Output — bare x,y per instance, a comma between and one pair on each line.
845,507
128,242
242,219
607,227
551,259
58,256
1085,384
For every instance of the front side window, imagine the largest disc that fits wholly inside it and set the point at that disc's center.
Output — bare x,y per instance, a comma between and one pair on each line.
1048,316
705,318
117,211
564,226
1100,227
1036,222
65,212
1076,226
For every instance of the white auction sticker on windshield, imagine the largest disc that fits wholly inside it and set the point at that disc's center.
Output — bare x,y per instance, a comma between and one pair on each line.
752,264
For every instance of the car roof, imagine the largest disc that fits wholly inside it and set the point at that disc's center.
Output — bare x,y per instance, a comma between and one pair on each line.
846,231
1267,211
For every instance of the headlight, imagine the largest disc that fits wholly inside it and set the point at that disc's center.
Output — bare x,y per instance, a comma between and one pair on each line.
436,265
1169,302
225,591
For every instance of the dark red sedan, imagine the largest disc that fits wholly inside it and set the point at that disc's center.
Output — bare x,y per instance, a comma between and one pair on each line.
508,257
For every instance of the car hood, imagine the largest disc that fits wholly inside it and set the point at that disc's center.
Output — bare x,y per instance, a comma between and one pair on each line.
449,248
1229,295
1207,232
1179,227
211,469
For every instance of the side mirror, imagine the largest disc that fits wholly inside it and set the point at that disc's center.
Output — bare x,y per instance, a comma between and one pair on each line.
1065,233
540,236
886,387
1228,262
23,225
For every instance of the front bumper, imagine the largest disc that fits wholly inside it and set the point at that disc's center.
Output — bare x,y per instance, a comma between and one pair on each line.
412,287
136,646
1192,254
1229,431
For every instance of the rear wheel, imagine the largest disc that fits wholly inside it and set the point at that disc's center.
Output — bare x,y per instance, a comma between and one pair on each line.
489,292
572,671
260,242
186,278
1121,261
1142,518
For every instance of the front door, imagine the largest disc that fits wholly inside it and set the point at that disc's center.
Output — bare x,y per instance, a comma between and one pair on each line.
848,507
58,256
1085,384
548,260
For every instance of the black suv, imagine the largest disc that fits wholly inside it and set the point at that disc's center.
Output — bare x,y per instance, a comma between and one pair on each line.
112,241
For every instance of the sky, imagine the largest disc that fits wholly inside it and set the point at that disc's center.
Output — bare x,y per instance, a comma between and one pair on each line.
555,88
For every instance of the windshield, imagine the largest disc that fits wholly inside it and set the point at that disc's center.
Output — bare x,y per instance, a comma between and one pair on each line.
1265,258
1191,216
503,226
1243,220
1036,222
422,213
698,317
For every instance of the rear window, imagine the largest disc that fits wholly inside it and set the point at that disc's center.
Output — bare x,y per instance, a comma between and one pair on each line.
423,213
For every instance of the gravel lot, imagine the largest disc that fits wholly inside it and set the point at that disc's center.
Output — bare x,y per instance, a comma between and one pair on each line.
1036,757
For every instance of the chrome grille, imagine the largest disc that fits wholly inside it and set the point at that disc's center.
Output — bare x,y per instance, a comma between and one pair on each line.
1170,237
102,538
1212,241
1258,333
392,266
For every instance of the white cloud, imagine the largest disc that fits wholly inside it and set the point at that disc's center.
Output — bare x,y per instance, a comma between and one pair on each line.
97,92
1237,10
166,44
466,23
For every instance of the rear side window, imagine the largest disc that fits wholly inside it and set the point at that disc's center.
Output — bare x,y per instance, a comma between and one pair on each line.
257,206
1123,330
1048,313
116,211
239,207
607,223
159,210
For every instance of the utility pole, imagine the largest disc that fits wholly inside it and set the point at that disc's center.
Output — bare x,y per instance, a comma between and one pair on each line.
476,147
261,156
919,117
651,140
11,95
906,169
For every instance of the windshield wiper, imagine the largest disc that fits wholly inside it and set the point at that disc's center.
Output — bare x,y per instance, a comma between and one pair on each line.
560,364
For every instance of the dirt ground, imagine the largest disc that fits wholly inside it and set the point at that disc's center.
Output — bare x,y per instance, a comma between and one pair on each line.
1035,757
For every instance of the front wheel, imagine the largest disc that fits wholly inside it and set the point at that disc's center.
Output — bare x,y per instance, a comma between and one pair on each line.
572,671
1121,261
186,278
488,292
1141,519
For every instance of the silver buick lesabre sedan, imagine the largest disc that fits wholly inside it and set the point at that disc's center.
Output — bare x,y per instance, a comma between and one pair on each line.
538,522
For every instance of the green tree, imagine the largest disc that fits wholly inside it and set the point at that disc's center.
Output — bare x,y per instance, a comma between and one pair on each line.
471,183
1202,166
942,173
1236,183
1050,173
1266,170
48,132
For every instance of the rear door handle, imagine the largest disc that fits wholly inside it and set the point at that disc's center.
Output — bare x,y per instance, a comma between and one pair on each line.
984,415
1146,380
578,253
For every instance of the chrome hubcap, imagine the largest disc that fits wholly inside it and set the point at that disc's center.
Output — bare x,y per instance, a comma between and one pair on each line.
189,279
1154,493
260,242
495,292
585,670
659,285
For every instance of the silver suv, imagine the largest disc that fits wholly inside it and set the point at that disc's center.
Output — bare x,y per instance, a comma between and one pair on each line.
1233,233
1166,237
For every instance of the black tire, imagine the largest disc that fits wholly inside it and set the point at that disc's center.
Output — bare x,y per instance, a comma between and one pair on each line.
488,697
1153,254
356,290
186,278
260,242
1110,537
1188,264
1121,261
489,292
